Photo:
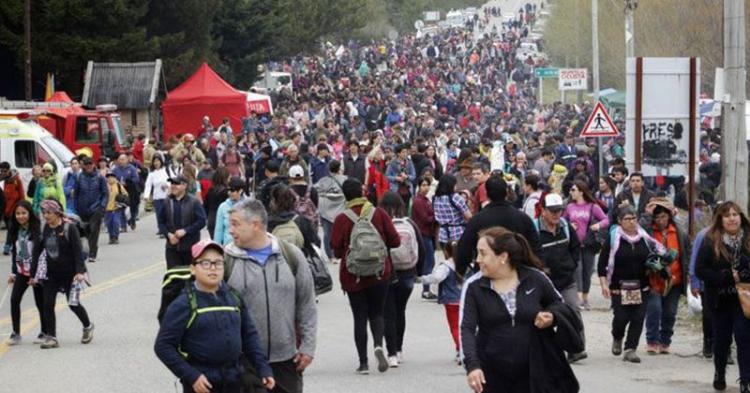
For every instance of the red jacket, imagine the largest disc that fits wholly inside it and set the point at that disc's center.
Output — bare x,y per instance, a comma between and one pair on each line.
13,191
424,216
340,245
138,150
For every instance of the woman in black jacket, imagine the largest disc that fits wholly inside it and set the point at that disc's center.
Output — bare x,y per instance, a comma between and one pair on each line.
507,318
65,269
282,211
408,259
218,193
23,236
723,261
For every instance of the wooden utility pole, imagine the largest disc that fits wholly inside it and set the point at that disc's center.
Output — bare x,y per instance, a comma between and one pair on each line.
733,144
27,47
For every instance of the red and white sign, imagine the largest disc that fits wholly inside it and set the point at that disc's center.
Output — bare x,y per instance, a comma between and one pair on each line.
572,79
599,124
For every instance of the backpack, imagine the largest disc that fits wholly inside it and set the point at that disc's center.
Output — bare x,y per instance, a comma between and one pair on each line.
367,251
405,256
305,207
290,232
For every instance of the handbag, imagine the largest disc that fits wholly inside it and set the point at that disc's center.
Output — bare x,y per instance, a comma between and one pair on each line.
631,293
594,239
743,293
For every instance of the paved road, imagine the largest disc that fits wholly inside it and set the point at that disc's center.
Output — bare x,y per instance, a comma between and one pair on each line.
124,300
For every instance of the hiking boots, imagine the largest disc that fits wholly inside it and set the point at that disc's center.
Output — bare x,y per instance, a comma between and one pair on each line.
49,343
574,357
382,360
631,357
88,334
617,347
15,339
720,382
363,369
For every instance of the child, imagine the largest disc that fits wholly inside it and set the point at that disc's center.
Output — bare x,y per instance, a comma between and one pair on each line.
449,291
207,328
113,213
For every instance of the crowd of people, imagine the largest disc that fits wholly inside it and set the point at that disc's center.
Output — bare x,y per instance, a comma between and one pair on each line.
437,166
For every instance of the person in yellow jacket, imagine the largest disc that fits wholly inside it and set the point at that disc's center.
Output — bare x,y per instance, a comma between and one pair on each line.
48,186
116,201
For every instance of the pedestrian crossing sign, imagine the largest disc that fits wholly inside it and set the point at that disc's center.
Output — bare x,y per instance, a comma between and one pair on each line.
599,124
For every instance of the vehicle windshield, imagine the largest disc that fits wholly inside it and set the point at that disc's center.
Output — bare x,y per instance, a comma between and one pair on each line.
284,80
61,152
118,132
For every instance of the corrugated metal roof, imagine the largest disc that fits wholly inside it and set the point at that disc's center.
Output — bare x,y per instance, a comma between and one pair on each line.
127,85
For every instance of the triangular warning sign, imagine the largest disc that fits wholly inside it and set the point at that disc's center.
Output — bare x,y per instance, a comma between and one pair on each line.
599,123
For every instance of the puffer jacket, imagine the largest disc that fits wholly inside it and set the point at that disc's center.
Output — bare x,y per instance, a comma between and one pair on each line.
91,192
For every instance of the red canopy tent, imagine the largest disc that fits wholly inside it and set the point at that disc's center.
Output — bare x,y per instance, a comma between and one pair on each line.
203,94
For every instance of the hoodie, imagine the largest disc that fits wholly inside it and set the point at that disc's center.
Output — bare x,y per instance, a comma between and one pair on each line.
282,304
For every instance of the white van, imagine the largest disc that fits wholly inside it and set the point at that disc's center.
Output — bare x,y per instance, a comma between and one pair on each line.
24,143
275,82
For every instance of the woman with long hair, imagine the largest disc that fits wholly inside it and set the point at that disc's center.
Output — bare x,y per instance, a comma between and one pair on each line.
24,238
606,193
376,183
407,259
723,264
282,211
193,186
451,211
508,314
157,188
424,216
586,216
437,166
217,194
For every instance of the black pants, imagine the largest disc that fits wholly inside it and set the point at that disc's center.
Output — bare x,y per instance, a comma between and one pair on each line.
395,313
52,287
135,204
19,288
177,258
630,317
708,327
368,305
94,223
728,319
288,379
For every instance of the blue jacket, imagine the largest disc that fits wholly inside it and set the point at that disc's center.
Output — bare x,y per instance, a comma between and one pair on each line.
221,231
186,213
214,342
695,282
91,193
395,168
127,174
319,168
69,185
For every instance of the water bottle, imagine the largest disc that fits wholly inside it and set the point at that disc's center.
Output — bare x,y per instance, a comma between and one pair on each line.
75,294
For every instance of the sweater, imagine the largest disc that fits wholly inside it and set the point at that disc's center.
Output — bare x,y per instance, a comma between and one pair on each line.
580,214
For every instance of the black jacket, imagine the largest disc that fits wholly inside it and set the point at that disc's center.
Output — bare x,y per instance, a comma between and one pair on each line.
718,281
627,195
549,369
629,263
560,253
495,214
355,168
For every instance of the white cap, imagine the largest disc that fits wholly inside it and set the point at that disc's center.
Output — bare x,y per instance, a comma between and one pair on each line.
296,171
715,158
553,201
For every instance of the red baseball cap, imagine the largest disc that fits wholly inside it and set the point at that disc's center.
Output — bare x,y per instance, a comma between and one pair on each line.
201,246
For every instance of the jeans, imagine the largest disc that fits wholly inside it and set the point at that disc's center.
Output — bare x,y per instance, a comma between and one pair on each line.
584,270
158,208
94,223
288,379
429,259
327,229
368,305
395,313
628,317
51,288
728,319
112,220
661,315
20,285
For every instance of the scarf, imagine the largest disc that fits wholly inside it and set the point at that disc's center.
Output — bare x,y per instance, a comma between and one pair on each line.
617,234
366,205
734,245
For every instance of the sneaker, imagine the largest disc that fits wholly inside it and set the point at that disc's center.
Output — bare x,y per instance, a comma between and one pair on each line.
49,343
617,347
631,357
363,369
115,241
653,349
111,241
664,350
6,249
400,356
429,296
88,334
720,382
15,339
92,259
586,305
132,225
458,359
392,361
574,357
40,338
382,361
708,351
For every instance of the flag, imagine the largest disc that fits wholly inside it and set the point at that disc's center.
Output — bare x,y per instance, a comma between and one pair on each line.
50,89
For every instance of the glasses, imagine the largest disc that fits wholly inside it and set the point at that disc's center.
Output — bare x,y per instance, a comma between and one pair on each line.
628,218
208,264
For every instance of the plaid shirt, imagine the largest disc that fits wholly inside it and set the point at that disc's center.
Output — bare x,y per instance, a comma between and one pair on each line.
451,221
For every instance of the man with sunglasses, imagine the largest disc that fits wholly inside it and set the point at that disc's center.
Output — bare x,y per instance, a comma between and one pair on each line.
204,350
91,195
181,219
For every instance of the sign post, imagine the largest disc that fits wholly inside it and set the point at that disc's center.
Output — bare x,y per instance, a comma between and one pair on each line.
599,124
541,74
572,79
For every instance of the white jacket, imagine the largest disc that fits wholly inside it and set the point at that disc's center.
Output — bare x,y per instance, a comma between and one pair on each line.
158,182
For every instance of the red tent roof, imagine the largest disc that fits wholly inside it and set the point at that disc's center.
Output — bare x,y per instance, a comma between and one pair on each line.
205,83
60,96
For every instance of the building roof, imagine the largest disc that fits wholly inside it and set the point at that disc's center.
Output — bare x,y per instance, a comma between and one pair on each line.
127,85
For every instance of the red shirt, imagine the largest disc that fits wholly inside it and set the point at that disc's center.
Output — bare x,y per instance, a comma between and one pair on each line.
481,197
340,245
138,150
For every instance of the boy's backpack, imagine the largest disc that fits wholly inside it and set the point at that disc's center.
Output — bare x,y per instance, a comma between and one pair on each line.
367,251
290,232
405,256
305,207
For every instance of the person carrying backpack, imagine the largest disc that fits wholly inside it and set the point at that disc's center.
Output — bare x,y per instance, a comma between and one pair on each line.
363,235
408,261
331,201
286,224
306,197
207,332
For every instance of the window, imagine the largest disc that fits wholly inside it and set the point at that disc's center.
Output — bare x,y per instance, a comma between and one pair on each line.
134,117
57,149
87,130
42,157
25,154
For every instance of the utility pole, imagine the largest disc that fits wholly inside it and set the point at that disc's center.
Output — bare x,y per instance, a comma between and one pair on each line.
595,71
733,145
27,47
630,6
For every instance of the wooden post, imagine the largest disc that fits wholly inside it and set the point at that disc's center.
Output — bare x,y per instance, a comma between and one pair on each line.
691,151
638,111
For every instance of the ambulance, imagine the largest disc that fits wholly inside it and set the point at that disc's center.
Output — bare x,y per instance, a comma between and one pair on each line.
24,143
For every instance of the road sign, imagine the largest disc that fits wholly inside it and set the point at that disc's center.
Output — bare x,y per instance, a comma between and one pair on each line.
572,79
546,72
599,124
